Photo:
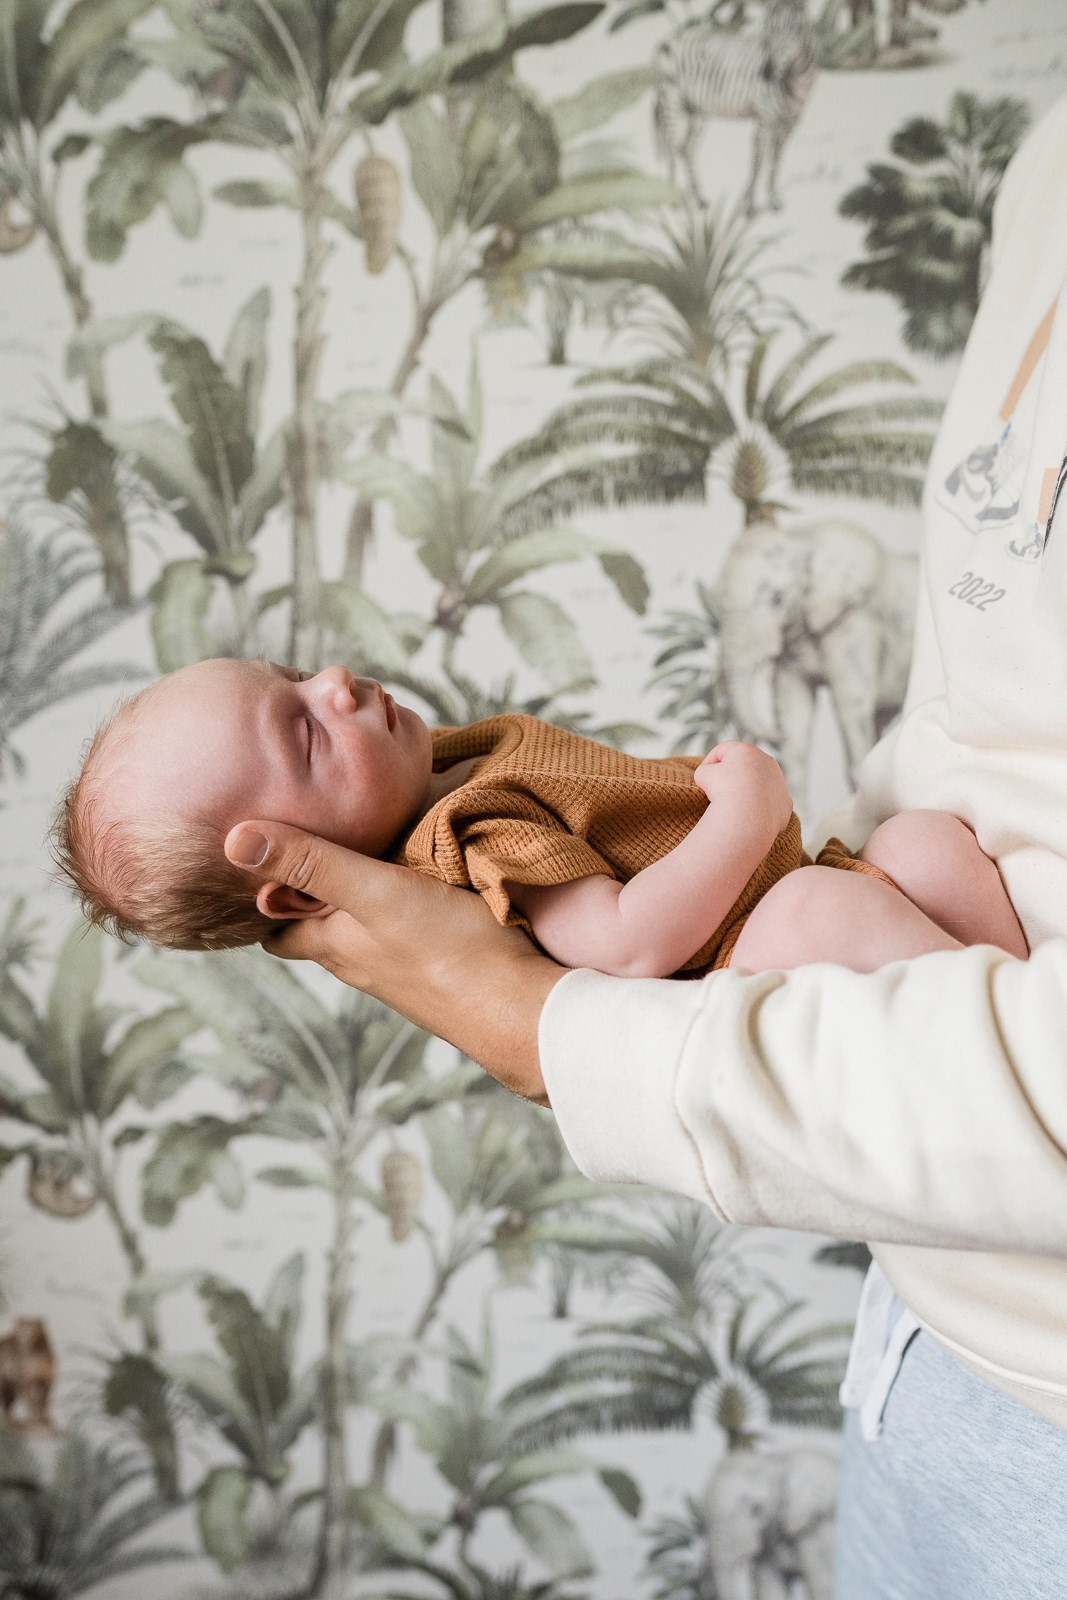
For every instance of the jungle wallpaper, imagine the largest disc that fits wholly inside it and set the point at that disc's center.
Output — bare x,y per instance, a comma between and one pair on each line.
581,358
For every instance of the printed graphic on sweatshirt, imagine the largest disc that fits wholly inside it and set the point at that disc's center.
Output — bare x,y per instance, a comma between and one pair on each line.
985,489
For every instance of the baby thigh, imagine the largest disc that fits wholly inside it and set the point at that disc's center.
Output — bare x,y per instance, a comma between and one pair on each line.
935,859
825,914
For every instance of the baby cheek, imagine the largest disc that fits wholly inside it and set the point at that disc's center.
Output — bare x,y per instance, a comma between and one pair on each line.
321,809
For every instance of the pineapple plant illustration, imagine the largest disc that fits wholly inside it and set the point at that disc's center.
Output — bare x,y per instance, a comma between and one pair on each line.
379,202
402,1186
314,75
499,172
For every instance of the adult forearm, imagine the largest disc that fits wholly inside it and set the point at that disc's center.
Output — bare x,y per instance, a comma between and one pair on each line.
923,1104
482,994
495,1022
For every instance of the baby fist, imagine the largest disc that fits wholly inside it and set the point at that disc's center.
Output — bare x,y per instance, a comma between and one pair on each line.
744,777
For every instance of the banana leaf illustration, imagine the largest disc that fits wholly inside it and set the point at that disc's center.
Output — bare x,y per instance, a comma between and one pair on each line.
253,1394
215,472
51,55
472,1438
91,1061
321,1080
312,76
40,636
461,522
501,193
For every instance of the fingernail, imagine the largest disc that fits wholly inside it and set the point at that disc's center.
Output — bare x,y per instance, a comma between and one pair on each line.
249,849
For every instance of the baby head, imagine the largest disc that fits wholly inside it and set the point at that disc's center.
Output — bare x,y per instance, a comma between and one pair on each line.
139,834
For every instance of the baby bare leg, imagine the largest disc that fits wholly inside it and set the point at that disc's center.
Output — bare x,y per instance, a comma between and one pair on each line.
825,914
938,863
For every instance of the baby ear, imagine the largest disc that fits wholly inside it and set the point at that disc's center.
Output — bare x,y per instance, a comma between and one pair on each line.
283,903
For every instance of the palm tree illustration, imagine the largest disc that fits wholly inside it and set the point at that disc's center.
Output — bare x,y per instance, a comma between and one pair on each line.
318,1079
590,178
569,1225
567,298
83,1526
788,434
79,481
52,54
75,1120
657,428
700,1346
648,439
472,1436
309,76
771,1372
40,635
474,537
929,216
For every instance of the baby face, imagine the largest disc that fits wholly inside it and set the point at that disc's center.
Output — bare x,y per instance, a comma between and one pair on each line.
225,741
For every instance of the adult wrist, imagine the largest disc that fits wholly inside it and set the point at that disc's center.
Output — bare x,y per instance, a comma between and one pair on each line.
501,1033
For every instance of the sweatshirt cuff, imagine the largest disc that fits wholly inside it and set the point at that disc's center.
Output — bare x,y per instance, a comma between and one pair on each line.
610,1053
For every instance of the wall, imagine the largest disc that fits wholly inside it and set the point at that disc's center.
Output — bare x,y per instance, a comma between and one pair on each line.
293,1304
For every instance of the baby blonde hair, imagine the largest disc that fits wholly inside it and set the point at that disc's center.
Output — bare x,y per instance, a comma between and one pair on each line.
141,878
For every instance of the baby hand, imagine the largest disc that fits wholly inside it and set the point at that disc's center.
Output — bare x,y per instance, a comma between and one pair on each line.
746,778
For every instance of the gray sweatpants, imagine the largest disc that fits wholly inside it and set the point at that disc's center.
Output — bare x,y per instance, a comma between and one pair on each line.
956,1492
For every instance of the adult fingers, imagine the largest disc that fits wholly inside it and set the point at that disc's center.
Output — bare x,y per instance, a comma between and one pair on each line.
274,852
432,952
389,922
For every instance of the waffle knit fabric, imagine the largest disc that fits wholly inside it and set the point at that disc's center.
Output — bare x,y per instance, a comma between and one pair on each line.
545,806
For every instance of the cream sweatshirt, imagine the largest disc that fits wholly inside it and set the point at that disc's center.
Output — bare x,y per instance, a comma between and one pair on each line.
923,1107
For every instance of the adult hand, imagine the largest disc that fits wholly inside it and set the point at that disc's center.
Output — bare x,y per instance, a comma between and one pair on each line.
433,953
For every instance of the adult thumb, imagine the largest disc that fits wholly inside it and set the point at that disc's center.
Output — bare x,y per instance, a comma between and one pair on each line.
277,853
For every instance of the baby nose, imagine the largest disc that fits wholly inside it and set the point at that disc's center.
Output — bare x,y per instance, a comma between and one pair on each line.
339,684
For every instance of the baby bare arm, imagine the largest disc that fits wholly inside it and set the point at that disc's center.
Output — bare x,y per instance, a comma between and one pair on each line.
650,927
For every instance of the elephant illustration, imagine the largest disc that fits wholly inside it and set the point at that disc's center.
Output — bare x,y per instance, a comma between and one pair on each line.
770,1519
820,604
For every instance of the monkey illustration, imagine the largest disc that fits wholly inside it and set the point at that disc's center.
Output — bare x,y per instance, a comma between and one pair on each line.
27,1373
56,1184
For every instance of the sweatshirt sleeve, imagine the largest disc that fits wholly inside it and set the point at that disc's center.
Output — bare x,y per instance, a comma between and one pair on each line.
923,1104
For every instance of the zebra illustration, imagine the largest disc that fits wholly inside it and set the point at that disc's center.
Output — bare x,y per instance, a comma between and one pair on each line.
766,76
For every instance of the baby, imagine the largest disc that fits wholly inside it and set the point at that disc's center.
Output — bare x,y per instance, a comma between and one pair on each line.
639,867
